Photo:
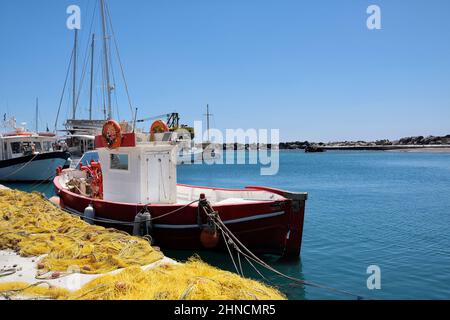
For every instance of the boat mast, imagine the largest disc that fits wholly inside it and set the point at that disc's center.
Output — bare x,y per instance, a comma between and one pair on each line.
92,76
207,120
105,52
37,113
74,74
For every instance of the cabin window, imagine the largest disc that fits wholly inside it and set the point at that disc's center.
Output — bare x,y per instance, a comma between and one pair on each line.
47,145
37,146
16,147
119,161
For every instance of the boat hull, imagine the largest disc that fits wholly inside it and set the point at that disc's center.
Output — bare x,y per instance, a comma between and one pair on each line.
273,227
40,167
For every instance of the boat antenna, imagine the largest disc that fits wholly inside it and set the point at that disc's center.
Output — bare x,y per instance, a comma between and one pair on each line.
92,76
74,74
105,53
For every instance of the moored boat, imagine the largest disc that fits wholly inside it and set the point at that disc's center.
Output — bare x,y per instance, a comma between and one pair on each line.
27,156
137,178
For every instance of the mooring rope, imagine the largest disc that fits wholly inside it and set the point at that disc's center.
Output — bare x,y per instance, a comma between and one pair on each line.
22,167
250,255
8,293
231,255
112,221
39,183
7,272
230,239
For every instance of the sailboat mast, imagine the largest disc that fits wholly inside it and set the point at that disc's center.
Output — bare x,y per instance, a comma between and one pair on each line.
207,120
105,52
37,113
92,76
74,74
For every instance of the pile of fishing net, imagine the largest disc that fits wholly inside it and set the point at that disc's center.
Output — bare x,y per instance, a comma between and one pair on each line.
32,226
193,280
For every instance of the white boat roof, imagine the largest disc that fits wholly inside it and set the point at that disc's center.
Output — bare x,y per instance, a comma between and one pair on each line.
31,136
86,136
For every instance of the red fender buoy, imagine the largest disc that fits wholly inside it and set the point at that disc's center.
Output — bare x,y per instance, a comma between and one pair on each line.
209,238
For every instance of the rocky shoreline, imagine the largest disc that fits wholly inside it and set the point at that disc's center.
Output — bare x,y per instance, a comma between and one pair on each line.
407,143
418,143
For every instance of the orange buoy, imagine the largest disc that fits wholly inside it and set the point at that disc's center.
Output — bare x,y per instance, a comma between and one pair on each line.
209,238
112,134
158,126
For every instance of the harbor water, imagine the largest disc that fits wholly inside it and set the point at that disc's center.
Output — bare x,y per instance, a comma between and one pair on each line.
389,209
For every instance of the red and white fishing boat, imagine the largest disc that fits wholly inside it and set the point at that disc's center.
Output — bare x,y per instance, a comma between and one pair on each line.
136,173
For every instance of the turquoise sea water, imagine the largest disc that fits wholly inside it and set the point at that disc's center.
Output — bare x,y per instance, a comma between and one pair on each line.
390,209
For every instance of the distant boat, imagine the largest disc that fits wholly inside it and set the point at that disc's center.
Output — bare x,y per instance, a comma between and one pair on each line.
314,148
28,156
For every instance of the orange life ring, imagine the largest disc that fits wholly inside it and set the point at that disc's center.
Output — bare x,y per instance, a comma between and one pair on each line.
112,134
157,127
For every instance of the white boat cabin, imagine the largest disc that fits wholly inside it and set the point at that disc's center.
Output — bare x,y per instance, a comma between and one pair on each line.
21,144
141,173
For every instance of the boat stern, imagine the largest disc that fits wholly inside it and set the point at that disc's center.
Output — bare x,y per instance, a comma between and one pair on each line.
295,220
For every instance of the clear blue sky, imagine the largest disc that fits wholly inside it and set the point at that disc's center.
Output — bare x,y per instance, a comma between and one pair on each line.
310,68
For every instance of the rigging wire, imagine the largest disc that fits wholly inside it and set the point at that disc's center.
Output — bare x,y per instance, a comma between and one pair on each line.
87,55
98,99
64,90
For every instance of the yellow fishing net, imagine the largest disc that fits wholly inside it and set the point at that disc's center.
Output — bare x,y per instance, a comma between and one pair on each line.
22,290
193,280
32,226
